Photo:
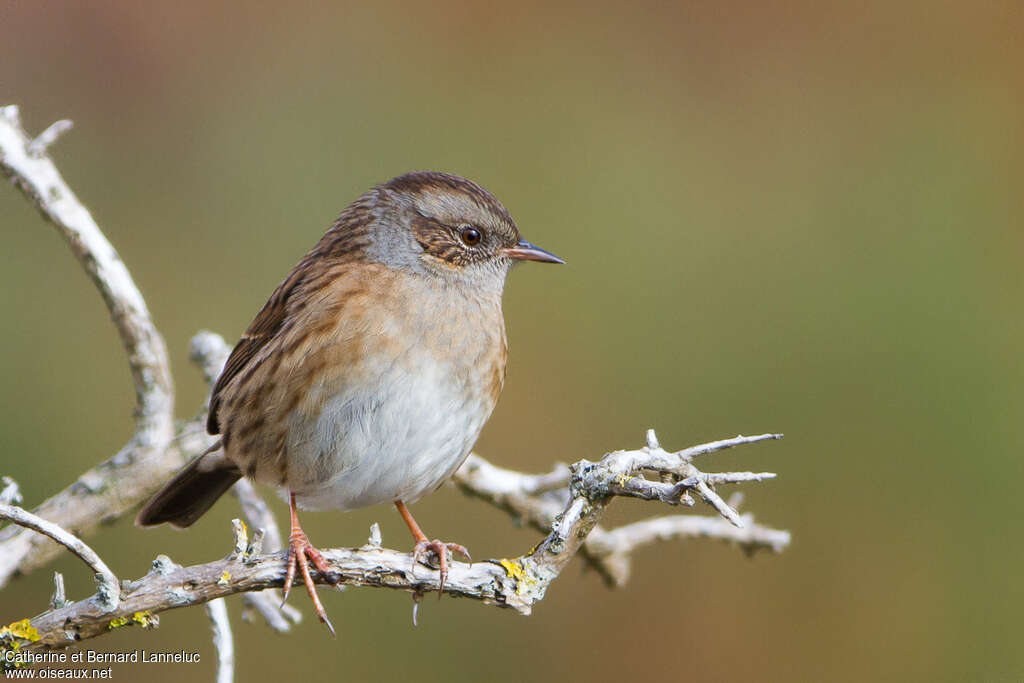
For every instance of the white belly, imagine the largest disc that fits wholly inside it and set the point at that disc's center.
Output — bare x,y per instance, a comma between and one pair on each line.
396,438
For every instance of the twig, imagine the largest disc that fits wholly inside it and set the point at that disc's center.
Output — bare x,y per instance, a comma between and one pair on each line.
266,539
241,535
258,514
374,540
209,351
217,611
38,147
268,605
713,446
59,598
10,494
628,538
108,585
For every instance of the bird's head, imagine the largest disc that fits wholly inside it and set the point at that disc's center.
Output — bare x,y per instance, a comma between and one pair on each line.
449,226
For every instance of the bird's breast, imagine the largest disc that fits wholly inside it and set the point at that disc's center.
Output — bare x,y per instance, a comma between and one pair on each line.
396,419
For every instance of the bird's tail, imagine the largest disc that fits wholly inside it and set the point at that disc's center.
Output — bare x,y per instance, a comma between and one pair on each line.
192,492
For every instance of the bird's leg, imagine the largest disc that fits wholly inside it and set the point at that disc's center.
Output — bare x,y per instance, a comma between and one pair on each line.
423,544
299,549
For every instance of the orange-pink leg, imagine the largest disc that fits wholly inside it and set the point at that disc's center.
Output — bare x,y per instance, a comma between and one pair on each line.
299,549
424,545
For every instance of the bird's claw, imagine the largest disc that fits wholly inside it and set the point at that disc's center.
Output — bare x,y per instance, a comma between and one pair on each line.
299,549
443,551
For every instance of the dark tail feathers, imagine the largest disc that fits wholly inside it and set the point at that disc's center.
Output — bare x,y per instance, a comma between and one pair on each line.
191,493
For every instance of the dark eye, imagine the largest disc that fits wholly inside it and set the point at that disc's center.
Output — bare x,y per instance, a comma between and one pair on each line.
470,235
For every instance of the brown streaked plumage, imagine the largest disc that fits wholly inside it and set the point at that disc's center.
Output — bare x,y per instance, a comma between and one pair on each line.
369,373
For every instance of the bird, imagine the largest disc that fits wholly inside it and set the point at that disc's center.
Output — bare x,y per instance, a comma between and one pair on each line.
369,373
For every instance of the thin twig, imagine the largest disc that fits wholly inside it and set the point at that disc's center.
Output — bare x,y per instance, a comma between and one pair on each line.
59,598
10,494
217,611
266,539
628,538
38,147
109,586
258,514
713,446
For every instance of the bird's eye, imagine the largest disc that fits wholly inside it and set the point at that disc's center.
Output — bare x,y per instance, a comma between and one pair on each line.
470,235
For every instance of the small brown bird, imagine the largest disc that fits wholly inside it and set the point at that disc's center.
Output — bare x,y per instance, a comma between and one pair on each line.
368,375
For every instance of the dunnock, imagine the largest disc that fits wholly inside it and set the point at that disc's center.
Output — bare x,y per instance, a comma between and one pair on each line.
368,375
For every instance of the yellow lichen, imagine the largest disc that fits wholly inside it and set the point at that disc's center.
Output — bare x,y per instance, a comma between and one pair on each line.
144,619
515,571
224,579
21,629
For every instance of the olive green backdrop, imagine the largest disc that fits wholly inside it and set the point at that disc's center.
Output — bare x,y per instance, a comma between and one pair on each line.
799,217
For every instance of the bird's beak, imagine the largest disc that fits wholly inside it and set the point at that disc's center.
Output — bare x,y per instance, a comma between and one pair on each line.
524,251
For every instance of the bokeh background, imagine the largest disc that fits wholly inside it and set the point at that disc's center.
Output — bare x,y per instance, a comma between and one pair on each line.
783,216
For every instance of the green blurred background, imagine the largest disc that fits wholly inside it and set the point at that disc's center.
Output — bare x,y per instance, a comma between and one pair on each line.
796,217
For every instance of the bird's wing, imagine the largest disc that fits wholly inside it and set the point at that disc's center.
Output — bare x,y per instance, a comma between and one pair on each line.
264,327
343,243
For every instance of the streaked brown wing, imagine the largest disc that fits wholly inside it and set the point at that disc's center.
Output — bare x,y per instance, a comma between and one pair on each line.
264,327
345,241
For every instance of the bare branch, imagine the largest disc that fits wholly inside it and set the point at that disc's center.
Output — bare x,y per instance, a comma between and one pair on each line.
713,446
38,147
374,541
241,536
217,611
59,598
258,514
268,605
628,538
144,463
10,494
92,497
209,351
266,538
514,492
109,586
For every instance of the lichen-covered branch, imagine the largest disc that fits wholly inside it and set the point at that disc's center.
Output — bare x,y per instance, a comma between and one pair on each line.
516,583
168,586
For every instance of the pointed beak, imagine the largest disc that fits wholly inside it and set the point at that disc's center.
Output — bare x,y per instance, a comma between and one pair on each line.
524,251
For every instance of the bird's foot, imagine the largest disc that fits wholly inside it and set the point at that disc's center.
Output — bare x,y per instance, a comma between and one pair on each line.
443,552
299,550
